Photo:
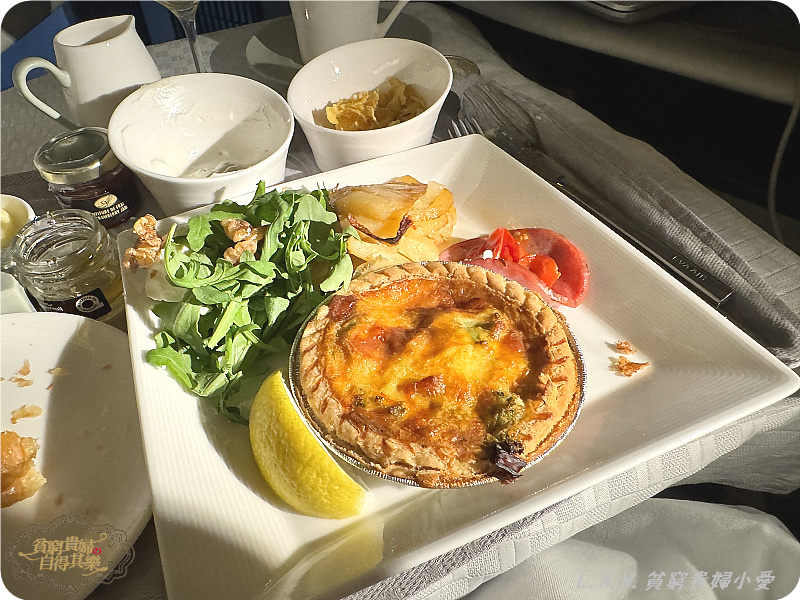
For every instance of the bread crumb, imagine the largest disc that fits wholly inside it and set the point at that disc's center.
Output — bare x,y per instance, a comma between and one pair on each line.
20,377
25,411
628,367
20,477
625,347
56,372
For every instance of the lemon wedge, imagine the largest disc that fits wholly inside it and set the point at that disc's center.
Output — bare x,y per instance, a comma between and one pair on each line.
294,463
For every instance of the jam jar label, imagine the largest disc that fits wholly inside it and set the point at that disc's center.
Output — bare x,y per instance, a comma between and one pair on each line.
105,201
92,305
109,208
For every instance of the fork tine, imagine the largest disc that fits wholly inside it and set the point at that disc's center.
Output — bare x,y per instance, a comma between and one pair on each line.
466,126
455,129
475,126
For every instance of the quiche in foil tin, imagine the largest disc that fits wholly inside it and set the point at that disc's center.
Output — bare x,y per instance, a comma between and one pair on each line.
438,375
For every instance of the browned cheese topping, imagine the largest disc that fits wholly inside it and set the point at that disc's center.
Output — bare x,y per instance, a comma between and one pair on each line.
445,370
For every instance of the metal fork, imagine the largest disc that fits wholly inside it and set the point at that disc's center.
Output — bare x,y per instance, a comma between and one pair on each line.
464,126
703,283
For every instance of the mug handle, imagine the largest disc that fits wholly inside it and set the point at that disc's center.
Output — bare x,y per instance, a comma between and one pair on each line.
387,22
20,78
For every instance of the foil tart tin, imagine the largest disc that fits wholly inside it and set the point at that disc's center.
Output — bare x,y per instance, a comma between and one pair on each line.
353,456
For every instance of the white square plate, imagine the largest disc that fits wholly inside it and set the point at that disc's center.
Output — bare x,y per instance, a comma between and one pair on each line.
222,533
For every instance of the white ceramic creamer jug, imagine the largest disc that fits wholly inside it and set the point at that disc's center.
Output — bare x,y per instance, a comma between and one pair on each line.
100,62
323,25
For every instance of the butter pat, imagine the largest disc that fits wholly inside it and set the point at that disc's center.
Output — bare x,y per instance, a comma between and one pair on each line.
7,228
14,213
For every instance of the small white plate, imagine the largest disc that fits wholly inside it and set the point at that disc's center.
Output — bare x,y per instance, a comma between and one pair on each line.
224,534
88,434
13,298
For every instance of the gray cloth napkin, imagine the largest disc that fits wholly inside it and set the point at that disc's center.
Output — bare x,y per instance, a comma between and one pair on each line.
739,553
627,173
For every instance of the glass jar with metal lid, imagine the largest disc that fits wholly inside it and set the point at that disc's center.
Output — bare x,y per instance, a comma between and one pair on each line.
84,173
68,263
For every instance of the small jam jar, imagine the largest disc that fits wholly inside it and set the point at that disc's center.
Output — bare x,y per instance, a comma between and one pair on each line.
68,263
84,173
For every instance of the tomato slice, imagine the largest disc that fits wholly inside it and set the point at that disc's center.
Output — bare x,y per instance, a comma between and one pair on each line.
541,265
549,264
574,281
501,244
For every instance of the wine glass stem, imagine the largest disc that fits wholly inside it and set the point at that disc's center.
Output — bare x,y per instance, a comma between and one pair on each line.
190,29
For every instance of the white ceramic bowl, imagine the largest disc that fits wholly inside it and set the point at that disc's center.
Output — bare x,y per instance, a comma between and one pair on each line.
175,132
360,67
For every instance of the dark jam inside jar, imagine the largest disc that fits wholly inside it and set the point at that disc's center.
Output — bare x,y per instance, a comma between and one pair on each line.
112,198
84,173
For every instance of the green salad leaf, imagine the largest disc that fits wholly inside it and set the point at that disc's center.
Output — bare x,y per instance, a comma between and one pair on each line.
217,341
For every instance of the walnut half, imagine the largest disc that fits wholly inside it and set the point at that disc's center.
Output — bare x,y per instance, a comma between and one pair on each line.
245,236
147,247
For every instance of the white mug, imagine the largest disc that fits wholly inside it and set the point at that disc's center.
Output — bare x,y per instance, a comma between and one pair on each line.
100,62
324,25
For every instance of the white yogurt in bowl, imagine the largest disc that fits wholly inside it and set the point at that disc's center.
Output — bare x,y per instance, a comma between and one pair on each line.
201,138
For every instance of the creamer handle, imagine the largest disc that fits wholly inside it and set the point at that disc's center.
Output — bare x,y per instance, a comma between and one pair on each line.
382,28
20,78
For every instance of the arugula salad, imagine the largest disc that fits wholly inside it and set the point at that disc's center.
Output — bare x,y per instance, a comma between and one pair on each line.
250,275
